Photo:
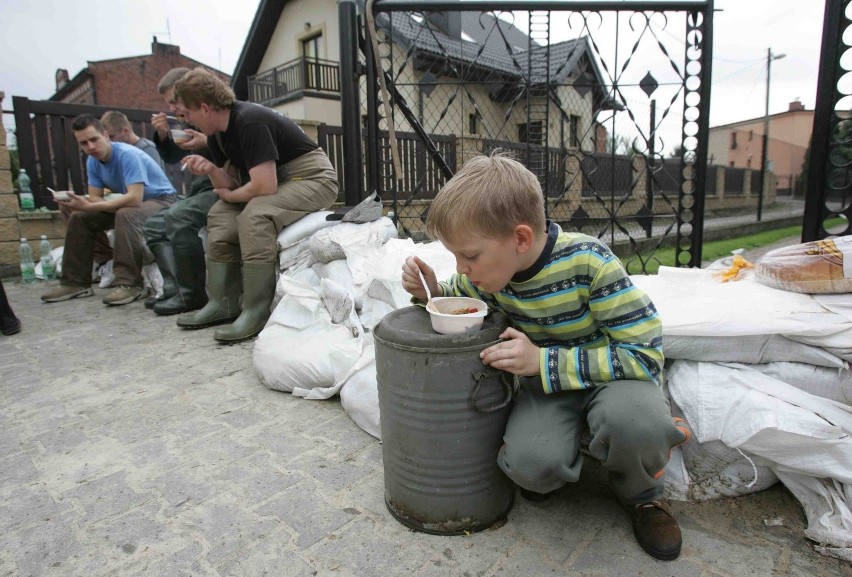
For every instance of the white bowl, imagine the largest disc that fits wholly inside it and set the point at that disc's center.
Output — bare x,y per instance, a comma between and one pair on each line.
447,323
180,136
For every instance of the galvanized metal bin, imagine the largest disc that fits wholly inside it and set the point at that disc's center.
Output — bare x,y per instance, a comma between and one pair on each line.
443,414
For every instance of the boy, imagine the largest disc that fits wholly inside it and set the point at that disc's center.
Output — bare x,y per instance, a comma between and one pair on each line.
586,342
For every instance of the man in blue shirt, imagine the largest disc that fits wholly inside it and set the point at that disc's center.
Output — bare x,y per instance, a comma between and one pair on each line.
137,189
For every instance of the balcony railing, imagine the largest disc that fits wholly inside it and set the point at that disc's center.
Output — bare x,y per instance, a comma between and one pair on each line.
299,75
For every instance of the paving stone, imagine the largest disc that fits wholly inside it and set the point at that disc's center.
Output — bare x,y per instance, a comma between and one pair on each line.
177,461
106,496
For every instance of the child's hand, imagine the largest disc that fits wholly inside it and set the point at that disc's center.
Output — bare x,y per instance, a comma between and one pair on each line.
411,278
516,354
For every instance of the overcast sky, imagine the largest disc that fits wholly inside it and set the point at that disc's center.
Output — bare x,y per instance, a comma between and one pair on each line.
43,35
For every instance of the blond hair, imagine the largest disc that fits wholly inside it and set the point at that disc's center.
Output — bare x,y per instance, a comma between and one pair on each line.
198,86
115,120
490,195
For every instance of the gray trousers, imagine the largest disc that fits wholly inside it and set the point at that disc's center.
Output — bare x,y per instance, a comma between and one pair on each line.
179,224
128,245
632,433
248,231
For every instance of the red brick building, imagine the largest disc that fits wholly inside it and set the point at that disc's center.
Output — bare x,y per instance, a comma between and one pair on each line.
124,82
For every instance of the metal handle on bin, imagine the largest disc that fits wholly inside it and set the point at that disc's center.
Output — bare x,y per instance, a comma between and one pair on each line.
508,387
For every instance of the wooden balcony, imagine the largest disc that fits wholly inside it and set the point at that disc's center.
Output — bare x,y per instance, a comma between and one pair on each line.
294,79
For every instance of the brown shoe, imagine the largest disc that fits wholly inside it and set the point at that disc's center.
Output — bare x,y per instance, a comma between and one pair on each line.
656,530
66,292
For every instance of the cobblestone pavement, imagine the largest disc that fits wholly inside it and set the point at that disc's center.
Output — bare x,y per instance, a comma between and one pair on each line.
129,447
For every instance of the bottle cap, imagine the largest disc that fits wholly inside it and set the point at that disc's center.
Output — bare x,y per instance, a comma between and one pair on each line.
23,239
44,237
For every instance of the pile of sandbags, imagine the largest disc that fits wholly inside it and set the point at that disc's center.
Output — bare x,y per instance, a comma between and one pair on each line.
338,279
762,377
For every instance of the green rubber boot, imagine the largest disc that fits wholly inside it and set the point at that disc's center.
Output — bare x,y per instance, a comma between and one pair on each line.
224,285
258,292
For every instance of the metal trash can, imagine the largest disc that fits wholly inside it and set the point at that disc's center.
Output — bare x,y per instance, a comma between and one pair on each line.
443,414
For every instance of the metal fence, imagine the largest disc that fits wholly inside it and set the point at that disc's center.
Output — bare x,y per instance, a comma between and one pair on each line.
606,102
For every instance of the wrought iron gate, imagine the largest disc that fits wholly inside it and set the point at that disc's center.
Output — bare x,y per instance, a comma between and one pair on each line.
606,102
829,189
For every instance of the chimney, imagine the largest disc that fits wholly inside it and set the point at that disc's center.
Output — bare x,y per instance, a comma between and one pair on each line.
61,78
164,49
796,106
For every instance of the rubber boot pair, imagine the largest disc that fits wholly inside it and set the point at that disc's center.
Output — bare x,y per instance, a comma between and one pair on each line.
257,287
165,257
191,277
224,280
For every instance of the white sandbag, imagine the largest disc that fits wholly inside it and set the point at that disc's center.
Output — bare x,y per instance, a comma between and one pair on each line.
338,271
734,480
751,349
828,383
383,269
298,251
359,396
328,244
693,302
300,348
303,228
826,504
743,408
710,470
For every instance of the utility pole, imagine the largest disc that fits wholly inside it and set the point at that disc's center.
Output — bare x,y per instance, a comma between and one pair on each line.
769,58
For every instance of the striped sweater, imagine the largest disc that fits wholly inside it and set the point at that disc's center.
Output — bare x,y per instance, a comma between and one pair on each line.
578,305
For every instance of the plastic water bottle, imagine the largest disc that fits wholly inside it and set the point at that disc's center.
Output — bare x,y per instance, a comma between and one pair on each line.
27,262
48,266
26,191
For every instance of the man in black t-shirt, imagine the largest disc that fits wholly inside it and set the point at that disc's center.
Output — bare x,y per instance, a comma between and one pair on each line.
268,174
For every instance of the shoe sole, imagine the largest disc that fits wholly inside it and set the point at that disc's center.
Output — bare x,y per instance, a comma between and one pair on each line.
237,340
126,301
83,293
208,324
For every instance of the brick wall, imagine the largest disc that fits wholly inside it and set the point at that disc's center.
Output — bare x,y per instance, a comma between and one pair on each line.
15,224
132,82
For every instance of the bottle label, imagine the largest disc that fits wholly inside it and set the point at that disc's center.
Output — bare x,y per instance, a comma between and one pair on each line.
27,201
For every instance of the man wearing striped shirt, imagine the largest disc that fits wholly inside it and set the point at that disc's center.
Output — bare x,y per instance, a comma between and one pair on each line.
585,341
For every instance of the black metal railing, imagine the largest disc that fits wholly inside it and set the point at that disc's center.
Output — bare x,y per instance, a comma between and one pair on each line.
299,75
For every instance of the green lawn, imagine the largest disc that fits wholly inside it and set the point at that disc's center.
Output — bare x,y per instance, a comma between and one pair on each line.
722,248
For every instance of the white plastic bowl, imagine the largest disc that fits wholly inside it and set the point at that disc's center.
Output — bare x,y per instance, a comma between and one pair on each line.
180,136
446,323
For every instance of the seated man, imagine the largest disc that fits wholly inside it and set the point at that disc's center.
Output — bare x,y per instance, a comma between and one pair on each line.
140,189
119,129
267,174
172,234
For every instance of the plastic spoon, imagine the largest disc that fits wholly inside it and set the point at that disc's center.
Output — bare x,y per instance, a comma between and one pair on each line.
430,306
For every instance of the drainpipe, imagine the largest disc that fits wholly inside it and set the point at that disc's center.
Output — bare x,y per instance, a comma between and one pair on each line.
350,103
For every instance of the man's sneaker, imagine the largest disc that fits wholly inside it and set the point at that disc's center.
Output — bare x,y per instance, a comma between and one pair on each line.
656,530
66,292
123,295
